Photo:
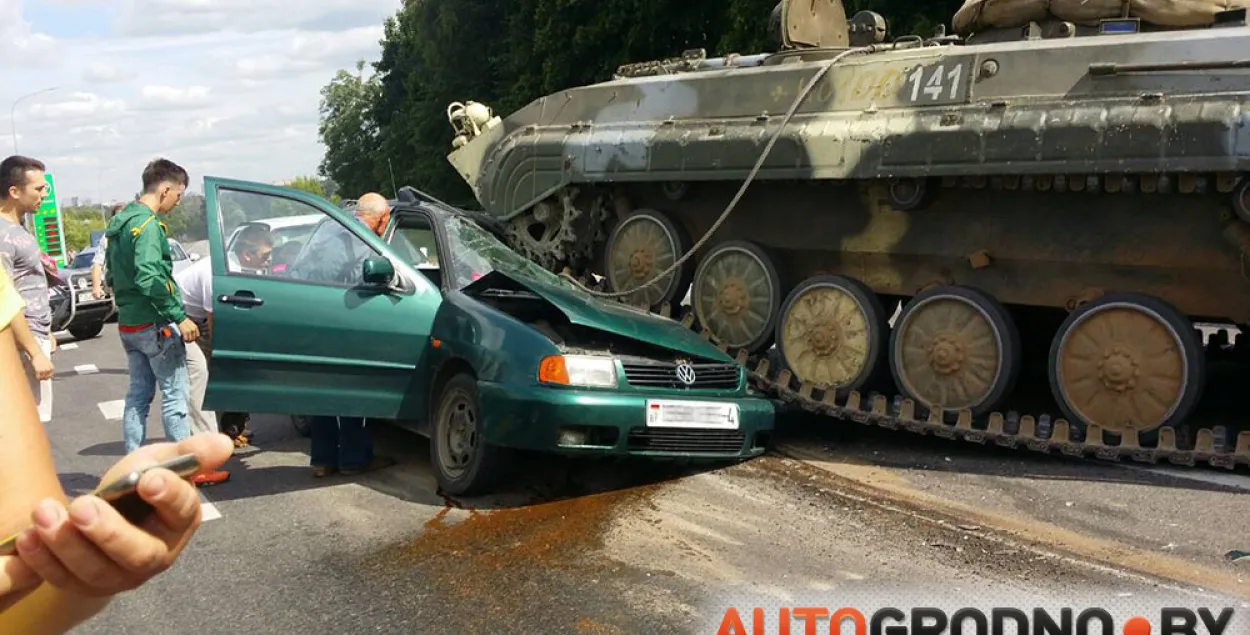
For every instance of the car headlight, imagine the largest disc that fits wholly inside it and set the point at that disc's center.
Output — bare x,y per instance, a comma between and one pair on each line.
578,370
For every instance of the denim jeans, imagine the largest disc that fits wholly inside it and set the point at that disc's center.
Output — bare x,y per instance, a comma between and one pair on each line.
340,442
155,361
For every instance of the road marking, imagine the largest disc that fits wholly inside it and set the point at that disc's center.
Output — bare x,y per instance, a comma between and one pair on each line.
86,369
208,511
67,347
112,410
1237,481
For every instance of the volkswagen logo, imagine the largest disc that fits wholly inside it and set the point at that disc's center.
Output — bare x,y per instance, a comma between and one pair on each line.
685,372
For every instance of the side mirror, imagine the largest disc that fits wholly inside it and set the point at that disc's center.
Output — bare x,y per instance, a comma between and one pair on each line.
195,257
378,271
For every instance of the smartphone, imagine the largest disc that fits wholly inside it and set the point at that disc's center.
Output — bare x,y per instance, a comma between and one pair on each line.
123,494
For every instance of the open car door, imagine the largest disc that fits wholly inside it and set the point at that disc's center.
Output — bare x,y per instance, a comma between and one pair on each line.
332,325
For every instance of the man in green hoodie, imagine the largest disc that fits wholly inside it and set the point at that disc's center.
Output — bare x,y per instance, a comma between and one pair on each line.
153,327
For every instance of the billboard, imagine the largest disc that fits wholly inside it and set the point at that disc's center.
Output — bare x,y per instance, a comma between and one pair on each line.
48,227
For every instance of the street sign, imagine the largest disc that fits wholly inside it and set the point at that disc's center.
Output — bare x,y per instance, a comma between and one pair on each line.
48,227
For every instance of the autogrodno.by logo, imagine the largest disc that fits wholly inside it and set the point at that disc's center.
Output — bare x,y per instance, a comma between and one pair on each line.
970,621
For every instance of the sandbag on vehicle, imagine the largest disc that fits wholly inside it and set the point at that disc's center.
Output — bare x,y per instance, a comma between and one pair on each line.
978,15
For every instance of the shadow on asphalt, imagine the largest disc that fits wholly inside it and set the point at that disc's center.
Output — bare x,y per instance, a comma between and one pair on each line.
898,449
535,478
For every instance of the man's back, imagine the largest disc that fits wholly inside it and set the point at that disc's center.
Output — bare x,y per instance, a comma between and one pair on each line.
19,253
333,254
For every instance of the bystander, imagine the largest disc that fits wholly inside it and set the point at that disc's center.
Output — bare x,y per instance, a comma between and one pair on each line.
22,189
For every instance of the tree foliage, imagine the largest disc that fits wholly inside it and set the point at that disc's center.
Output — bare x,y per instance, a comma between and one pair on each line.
391,128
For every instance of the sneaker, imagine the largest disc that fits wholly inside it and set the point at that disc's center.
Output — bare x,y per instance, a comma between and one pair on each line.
377,463
216,477
323,470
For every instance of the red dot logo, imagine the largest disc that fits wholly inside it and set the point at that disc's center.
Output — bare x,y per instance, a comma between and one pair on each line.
1137,626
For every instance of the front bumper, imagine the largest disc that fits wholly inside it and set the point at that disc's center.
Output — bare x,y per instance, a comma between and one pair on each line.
570,421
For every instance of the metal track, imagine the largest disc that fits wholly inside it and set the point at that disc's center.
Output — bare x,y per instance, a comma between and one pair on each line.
1039,433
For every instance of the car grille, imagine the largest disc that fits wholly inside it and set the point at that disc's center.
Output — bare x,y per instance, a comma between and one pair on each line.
686,440
707,376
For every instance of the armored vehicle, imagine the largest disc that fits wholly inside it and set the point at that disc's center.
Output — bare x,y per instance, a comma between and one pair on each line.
1054,194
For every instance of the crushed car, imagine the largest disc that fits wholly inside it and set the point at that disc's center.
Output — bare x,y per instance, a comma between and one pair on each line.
447,331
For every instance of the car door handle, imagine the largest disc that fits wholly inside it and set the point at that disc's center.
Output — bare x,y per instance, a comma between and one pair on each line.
240,299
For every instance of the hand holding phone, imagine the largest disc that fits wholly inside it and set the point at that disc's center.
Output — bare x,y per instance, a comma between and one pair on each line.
123,494
134,526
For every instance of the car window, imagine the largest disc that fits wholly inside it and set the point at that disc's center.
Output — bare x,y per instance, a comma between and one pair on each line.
329,254
176,252
82,260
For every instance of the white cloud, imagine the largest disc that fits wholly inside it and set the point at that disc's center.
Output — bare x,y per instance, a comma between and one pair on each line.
170,17
236,98
310,52
170,97
20,45
78,106
106,72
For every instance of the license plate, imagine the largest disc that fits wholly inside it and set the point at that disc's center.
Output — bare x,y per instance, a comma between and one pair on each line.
692,414
85,296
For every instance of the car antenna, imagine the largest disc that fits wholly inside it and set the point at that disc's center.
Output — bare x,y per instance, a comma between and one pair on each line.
392,170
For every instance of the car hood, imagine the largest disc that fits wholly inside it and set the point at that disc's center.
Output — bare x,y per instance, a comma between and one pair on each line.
608,316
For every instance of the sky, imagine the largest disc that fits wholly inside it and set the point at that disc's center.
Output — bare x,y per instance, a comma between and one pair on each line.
227,88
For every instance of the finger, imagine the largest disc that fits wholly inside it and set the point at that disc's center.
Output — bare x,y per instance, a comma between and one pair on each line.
15,575
176,504
138,553
210,449
78,556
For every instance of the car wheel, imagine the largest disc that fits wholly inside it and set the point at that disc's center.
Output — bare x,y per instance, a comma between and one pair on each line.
86,331
463,464
302,425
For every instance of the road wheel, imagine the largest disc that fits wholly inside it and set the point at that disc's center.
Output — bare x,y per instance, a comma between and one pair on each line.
737,294
86,331
833,332
1127,361
643,244
955,347
464,465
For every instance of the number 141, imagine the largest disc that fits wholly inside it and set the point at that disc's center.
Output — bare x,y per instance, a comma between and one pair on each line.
933,87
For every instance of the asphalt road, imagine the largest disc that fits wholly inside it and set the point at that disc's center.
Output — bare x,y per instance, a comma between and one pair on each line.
577,547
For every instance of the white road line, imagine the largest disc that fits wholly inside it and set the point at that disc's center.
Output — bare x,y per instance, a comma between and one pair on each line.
208,511
1237,481
86,369
67,347
112,410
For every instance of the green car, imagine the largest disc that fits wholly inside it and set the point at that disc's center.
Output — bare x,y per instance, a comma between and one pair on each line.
442,328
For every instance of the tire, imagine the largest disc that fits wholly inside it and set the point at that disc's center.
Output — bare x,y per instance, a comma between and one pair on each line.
1168,324
990,314
86,331
708,306
877,330
677,241
481,466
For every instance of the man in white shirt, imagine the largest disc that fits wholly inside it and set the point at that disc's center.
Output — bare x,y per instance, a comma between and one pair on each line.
250,255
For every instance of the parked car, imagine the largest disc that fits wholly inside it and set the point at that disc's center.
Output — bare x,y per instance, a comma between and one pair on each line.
74,308
447,331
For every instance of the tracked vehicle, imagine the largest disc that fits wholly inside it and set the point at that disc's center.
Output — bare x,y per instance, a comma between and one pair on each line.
1055,197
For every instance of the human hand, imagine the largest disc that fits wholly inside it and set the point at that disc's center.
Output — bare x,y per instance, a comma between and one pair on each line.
97,292
91,550
190,332
42,365
52,344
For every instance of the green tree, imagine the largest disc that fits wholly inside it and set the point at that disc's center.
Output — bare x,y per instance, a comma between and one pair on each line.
349,132
188,221
78,223
313,185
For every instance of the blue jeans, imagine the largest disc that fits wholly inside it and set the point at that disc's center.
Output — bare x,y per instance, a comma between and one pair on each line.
155,360
340,442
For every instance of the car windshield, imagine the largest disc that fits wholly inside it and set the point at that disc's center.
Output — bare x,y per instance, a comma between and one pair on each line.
476,252
82,260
